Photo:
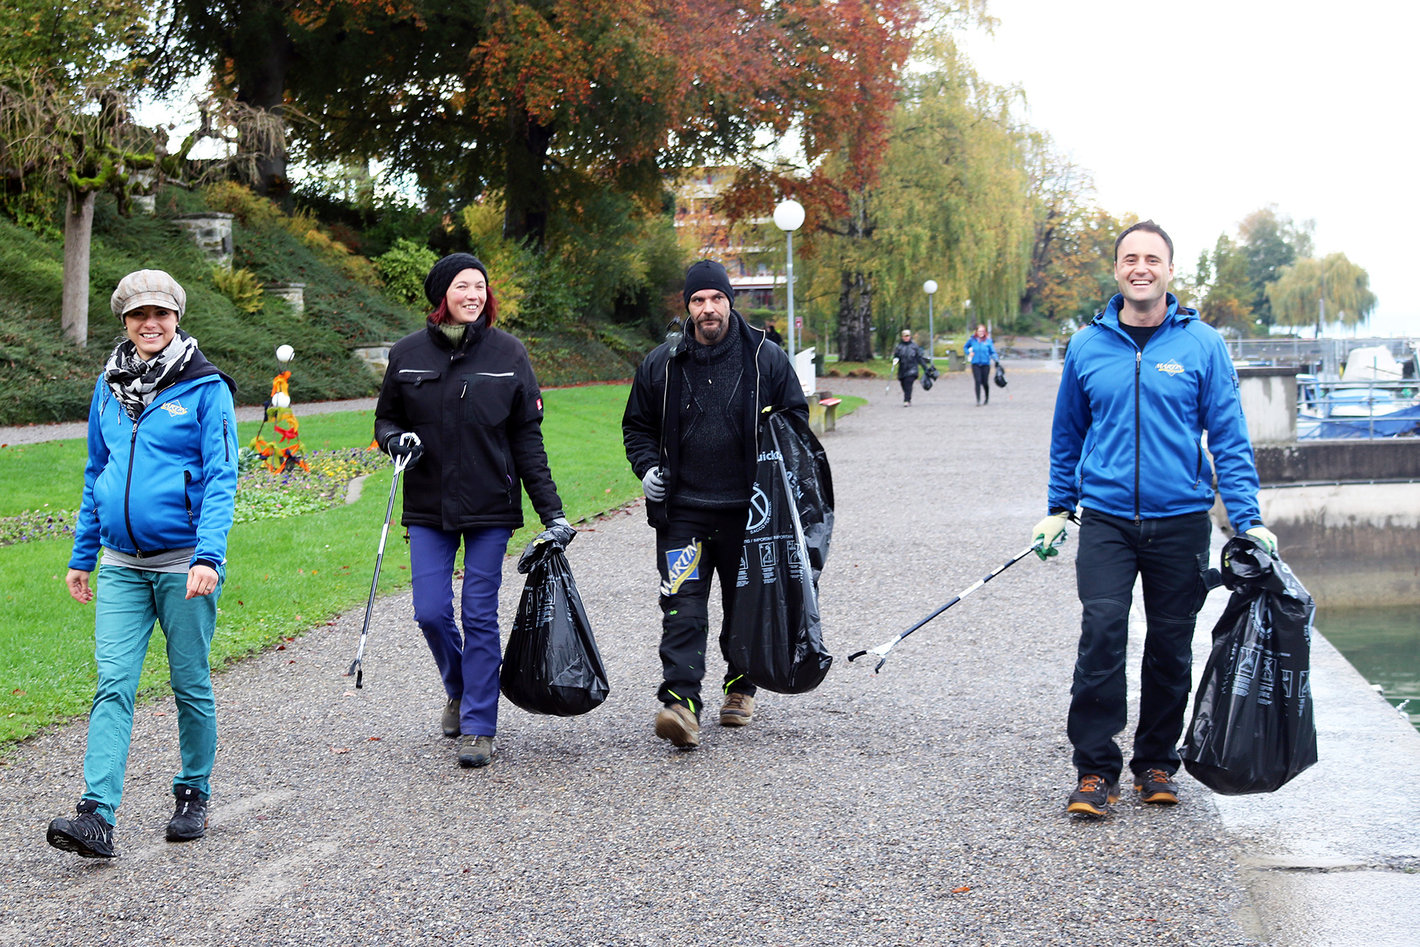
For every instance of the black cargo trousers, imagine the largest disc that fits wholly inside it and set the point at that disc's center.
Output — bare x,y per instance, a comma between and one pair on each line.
694,545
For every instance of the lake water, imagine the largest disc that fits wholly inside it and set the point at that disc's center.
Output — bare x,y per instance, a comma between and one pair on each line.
1384,645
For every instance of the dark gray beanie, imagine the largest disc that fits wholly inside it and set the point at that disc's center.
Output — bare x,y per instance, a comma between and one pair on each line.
707,274
436,284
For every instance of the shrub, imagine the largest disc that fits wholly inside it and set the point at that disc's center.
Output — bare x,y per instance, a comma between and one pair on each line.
240,286
404,267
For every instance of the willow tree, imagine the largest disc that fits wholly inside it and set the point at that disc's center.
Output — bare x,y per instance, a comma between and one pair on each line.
1318,292
953,198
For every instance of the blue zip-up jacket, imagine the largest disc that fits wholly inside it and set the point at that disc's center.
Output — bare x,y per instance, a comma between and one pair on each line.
165,481
1127,439
979,351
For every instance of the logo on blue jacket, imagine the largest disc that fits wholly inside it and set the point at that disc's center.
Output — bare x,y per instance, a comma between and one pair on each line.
1170,367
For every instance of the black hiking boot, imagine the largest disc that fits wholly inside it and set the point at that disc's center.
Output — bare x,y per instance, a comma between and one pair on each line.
189,819
87,835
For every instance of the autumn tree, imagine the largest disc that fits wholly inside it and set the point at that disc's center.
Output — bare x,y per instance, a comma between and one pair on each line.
1225,291
1316,292
1071,272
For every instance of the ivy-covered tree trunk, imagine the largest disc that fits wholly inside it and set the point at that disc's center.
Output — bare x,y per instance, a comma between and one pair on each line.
78,234
855,317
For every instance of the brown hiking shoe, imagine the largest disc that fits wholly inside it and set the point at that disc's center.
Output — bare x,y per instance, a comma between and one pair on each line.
676,723
475,751
1093,797
449,719
1156,787
737,710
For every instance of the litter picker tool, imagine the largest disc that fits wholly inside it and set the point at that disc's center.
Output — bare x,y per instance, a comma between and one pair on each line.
882,650
355,666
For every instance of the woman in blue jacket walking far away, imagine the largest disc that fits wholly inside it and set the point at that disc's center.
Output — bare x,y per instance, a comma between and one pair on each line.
980,352
159,489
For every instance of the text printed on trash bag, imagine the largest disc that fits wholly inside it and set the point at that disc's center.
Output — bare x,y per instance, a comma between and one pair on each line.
1255,664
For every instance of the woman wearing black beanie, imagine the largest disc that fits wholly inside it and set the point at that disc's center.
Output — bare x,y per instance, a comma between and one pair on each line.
461,402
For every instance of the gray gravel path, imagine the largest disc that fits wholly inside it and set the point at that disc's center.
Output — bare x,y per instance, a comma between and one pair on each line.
922,805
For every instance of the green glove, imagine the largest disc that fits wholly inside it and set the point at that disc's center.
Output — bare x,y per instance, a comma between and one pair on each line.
1049,533
1265,536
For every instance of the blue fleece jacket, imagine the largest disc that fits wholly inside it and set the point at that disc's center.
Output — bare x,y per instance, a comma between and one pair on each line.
165,481
979,351
1128,435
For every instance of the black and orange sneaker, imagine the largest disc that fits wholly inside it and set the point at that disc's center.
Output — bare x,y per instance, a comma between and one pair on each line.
1156,787
1093,797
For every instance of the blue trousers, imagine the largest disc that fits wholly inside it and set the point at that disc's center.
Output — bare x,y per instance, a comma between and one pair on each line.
127,605
1170,556
468,660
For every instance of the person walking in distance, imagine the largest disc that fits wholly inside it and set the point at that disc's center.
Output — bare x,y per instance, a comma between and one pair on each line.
907,356
1141,385
980,352
159,499
691,431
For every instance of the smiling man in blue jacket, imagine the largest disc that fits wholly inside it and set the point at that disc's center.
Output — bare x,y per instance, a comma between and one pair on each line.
1141,386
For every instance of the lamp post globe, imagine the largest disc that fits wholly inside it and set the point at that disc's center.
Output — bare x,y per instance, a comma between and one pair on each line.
930,288
788,217
284,353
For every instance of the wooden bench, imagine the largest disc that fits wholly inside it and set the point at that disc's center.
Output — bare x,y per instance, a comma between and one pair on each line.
830,412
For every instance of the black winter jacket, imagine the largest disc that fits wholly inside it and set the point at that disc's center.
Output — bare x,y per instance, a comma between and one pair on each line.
478,411
651,425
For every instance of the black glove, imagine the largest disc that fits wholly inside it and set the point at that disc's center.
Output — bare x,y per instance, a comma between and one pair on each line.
405,445
559,532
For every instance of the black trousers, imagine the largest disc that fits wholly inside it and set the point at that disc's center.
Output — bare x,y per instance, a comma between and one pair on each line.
689,549
906,382
1170,556
981,378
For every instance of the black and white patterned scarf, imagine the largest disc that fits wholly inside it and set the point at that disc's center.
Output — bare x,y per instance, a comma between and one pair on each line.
134,382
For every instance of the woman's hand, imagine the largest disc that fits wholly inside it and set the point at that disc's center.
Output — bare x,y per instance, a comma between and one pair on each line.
78,582
201,580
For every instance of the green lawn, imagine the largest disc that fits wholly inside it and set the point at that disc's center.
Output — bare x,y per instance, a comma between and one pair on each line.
285,574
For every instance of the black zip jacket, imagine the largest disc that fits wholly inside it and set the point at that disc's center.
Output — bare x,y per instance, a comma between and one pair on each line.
650,427
477,409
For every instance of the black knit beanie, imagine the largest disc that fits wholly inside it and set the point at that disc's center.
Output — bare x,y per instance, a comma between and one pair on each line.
436,284
707,274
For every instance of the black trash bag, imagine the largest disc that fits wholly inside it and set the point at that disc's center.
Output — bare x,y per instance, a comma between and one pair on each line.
1252,727
929,373
775,636
1000,376
551,664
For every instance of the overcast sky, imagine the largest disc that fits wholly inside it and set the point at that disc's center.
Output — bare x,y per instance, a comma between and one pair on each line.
1197,114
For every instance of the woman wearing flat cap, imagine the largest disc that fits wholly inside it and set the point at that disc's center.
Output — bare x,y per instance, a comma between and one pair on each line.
461,402
159,488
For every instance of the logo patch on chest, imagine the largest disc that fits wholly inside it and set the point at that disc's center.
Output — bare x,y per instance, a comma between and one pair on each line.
173,408
1170,367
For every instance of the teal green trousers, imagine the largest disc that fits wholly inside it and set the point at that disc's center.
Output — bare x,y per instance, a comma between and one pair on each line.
128,603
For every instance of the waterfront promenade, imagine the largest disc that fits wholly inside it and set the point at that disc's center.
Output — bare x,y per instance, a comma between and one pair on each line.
921,805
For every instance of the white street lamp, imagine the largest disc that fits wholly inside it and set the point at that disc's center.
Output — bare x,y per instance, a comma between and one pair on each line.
930,288
788,217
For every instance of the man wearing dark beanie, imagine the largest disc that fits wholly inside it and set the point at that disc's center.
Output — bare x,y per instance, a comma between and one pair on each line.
690,430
